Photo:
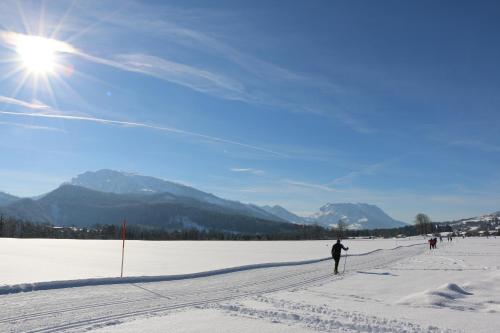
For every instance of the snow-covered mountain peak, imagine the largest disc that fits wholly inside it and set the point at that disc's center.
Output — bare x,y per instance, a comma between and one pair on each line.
356,215
127,182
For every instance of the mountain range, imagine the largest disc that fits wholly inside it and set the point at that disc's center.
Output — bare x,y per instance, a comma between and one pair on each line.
107,197
78,206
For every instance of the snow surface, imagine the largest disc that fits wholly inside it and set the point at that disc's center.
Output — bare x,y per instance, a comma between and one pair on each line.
455,288
39,260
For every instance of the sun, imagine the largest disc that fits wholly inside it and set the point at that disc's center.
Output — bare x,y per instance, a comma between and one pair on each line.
37,54
38,61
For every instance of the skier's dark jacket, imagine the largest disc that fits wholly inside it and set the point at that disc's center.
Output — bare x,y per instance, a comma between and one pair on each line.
336,249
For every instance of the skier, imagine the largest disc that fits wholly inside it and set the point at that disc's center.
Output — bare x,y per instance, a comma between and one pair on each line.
336,251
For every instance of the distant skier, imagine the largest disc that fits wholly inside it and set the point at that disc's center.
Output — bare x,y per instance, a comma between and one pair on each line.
336,251
432,243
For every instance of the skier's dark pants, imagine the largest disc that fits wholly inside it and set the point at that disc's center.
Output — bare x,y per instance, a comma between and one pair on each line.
337,259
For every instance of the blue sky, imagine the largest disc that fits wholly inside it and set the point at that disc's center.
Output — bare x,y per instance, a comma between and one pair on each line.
296,103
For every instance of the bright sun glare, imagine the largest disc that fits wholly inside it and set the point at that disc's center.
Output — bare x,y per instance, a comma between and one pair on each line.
38,54
38,57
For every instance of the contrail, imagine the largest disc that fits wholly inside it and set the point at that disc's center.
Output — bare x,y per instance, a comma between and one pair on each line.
135,124
15,101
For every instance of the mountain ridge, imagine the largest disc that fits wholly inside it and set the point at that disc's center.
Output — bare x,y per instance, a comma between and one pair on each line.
120,182
6,198
283,213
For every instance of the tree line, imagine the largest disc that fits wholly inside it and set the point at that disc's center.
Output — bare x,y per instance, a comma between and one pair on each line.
15,228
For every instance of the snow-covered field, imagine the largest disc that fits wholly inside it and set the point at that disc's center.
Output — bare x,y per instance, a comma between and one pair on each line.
35,260
455,288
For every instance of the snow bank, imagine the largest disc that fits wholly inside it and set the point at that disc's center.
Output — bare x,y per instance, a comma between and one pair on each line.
440,297
24,287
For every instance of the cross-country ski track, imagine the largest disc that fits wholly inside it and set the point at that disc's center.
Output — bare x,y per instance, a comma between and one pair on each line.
78,309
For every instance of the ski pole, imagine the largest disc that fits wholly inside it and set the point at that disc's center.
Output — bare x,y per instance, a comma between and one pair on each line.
345,260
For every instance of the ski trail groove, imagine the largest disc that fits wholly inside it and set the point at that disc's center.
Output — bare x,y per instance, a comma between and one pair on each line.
149,299
171,307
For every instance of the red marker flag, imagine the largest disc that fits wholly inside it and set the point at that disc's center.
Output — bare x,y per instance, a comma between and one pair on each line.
124,233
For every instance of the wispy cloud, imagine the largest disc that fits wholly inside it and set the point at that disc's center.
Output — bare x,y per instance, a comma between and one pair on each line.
256,172
236,75
37,105
309,185
354,123
142,125
169,26
198,79
32,127
264,71
476,144
368,170
252,64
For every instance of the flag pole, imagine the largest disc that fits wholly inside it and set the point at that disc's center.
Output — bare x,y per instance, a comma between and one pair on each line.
124,229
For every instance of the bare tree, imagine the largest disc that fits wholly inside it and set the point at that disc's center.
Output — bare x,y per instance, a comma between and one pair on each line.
341,228
422,223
